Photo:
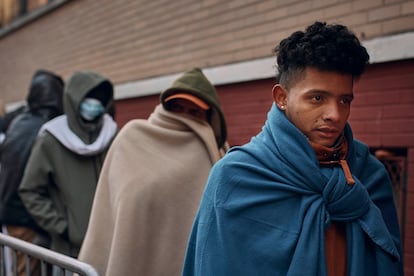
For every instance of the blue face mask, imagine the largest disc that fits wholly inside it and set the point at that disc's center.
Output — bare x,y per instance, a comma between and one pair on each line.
91,108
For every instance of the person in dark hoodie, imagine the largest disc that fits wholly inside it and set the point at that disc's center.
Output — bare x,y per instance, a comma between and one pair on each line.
140,222
44,102
62,172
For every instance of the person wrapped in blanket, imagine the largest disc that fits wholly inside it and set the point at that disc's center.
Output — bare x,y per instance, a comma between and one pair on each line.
303,197
152,180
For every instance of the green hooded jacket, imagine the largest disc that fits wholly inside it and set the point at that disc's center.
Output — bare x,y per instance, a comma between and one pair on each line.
196,83
60,178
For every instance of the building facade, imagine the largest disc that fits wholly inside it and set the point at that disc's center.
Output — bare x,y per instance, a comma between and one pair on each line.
142,46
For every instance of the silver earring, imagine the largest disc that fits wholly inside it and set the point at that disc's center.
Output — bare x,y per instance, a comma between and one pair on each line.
282,107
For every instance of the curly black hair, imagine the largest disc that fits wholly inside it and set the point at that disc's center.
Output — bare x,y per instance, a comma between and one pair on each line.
322,46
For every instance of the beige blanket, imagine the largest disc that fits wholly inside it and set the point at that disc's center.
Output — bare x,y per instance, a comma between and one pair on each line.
148,195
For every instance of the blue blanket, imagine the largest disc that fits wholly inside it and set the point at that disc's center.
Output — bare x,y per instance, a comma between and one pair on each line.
267,204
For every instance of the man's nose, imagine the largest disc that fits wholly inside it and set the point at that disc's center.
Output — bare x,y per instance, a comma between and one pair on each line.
332,112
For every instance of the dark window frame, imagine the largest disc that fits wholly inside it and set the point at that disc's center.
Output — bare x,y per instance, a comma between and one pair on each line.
26,18
396,162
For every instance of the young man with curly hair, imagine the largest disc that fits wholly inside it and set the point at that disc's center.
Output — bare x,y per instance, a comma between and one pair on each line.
303,197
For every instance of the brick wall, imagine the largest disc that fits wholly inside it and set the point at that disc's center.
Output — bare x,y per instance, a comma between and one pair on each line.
409,230
133,40
383,116
384,105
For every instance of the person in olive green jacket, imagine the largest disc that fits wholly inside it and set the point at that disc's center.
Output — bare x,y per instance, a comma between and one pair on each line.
60,178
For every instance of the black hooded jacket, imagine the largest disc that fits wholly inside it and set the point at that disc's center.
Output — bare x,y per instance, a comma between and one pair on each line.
44,102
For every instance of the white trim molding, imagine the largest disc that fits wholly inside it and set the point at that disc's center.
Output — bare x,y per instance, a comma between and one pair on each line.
382,49
225,74
391,48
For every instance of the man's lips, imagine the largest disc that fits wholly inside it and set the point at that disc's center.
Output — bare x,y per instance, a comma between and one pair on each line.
328,132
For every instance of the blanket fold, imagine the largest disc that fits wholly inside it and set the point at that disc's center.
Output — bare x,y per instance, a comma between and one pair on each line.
275,188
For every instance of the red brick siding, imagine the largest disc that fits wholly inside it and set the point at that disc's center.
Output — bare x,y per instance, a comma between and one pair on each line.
383,116
244,104
135,108
383,113
409,230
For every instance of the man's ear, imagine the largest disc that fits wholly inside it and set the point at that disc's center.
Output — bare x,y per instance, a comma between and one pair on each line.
279,96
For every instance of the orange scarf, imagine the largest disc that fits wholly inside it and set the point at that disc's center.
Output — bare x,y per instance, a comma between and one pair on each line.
334,156
335,236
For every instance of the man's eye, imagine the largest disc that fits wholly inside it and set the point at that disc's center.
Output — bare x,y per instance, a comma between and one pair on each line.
195,112
317,98
346,100
177,108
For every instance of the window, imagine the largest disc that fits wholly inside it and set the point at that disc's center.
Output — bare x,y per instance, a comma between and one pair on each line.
16,13
13,9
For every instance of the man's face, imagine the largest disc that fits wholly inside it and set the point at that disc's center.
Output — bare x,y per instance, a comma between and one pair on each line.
318,104
189,108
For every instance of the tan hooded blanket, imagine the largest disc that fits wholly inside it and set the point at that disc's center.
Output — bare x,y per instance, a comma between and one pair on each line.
148,194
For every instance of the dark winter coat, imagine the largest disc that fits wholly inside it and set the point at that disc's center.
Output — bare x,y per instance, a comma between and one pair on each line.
62,172
44,103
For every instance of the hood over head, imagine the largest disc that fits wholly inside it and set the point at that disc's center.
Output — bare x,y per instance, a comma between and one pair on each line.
194,82
80,85
46,90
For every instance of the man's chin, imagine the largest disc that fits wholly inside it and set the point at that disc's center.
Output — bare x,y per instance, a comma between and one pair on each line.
325,142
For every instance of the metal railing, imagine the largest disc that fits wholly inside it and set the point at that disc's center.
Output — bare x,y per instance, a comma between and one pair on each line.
62,264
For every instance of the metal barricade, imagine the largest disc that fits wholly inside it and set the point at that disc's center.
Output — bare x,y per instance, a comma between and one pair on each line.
63,265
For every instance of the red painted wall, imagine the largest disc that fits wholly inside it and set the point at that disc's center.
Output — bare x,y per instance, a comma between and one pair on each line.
245,106
134,108
383,110
383,116
409,226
